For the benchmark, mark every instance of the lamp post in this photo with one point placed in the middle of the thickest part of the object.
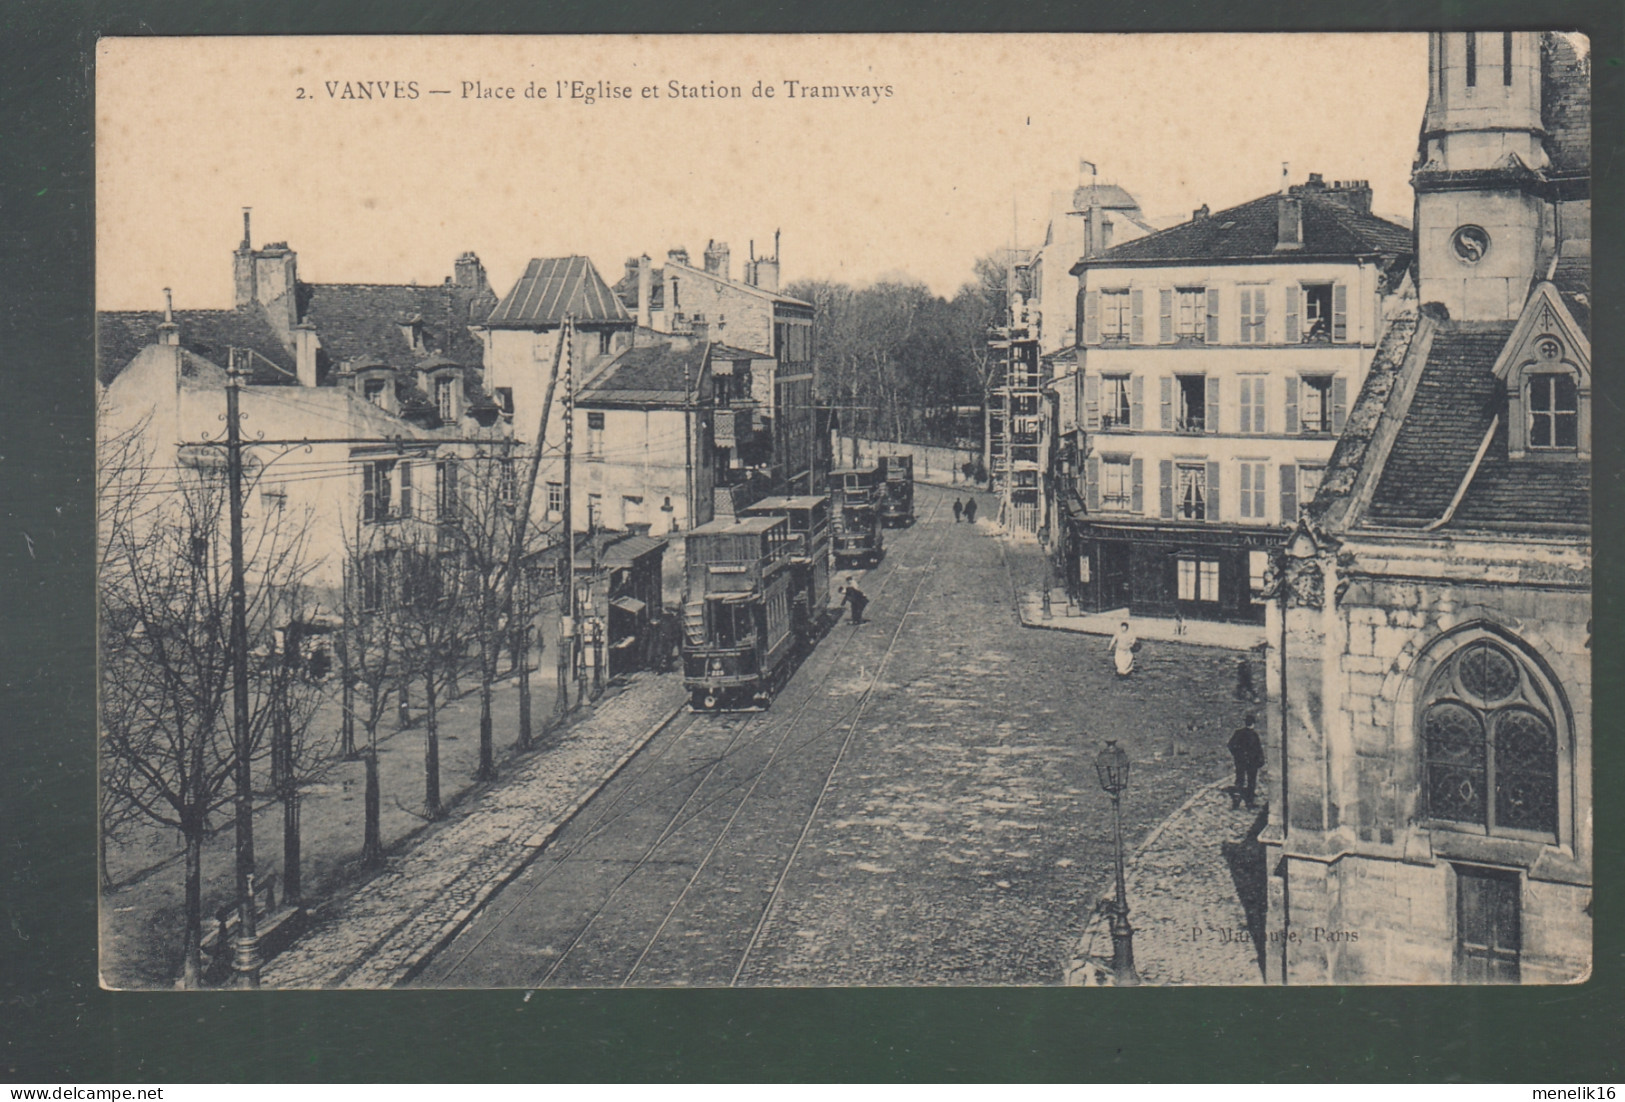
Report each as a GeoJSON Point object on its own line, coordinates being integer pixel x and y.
{"type": "Point", "coordinates": [1112, 766]}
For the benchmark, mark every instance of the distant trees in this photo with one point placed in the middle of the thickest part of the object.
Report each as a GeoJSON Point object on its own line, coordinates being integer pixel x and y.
{"type": "Point", "coordinates": [898, 362]}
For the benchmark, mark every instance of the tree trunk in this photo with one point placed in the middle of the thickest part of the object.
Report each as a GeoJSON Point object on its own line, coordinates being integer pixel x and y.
{"type": "Point", "coordinates": [524, 687]}
{"type": "Point", "coordinates": [561, 703]}
{"type": "Point", "coordinates": [372, 845]}
{"type": "Point", "coordinates": [347, 710]}
{"type": "Point", "coordinates": [292, 886]}
{"type": "Point", "coordinates": [431, 752]}
{"type": "Point", "coordinates": [192, 939]}
{"type": "Point", "coordinates": [403, 705]}
{"type": "Point", "coordinates": [487, 770]}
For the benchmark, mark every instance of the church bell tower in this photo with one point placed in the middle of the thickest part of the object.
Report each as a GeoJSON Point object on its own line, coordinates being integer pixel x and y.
{"type": "Point", "coordinates": [1483, 220]}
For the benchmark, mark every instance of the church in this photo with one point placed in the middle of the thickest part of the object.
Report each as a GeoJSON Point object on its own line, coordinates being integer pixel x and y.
{"type": "Point", "coordinates": [1429, 621]}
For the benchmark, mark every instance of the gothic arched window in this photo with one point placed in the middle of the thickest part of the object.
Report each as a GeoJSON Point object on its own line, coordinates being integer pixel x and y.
{"type": "Point", "coordinates": [1490, 743]}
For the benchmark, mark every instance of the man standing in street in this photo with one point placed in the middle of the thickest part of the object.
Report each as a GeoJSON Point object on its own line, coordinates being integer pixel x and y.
{"type": "Point", "coordinates": [959, 509]}
{"type": "Point", "coordinates": [970, 511]}
{"type": "Point", "coordinates": [854, 596]}
{"type": "Point", "coordinates": [1248, 753]}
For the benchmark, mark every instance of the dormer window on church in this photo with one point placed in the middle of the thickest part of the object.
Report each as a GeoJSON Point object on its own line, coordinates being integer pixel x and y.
{"type": "Point", "coordinates": [1554, 410]}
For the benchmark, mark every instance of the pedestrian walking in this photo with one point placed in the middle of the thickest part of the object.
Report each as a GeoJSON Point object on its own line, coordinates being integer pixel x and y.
{"type": "Point", "coordinates": [1123, 645]}
{"type": "Point", "coordinates": [959, 509]}
{"type": "Point", "coordinates": [854, 597]}
{"type": "Point", "coordinates": [1248, 754]}
{"type": "Point", "coordinates": [970, 511]}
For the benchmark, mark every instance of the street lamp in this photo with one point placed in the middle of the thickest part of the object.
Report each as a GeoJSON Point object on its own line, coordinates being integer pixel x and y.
{"type": "Point", "coordinates": [1112, 766]}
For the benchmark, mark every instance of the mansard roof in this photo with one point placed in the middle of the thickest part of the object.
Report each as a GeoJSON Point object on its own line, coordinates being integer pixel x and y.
{"type": "Point", "coordinates": [360, 320]}
{"type": "Point", "coordinates": [1331, 231]}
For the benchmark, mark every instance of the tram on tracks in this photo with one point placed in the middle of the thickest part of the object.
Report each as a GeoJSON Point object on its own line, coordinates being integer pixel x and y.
{"type": "Point", "coordinates": [897, 497]}
{"type": "Point", "coordinates": [739, 632]}
{"type": "Point", "coordinates": [809, 520]}
{"type": "Point", "coordinates": [855, 497]}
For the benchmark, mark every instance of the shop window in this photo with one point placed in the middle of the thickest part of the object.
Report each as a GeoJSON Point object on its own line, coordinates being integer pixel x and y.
{"type": "Point", "coordinates": [1199, 580]}
{"type": "Point", "coordinates": [1258, 570]}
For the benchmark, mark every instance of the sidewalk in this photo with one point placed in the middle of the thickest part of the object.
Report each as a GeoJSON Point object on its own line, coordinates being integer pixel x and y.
{"type": "Point", "coordinates": [375, 936]}
{"type": "Point", "coordinates": [1201, 633]}
{"type": "Point", "coordinates": [1196, 900]}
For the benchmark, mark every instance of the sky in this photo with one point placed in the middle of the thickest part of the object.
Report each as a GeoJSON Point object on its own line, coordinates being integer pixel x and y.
{"type": "Point", "coordinates": [936, 149]}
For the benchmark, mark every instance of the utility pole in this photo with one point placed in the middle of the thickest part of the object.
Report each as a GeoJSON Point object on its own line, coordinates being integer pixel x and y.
{"type": "Point", "coordinates": [246, 951]}
{"type": "Point", "coordinates": [567, 587]}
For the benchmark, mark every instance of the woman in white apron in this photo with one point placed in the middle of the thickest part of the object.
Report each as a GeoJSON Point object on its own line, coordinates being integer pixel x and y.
{"type": "Point", "coordinates": [1124, 644]}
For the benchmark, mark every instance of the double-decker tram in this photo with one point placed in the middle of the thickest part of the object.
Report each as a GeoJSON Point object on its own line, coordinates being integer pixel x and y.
{"type": "Point", "coordinates": [897, 499]}
{"type": "Point", "coordinates": [808, 518]}
{"type": "Point", "coordinates": [855, 494]}
{"type": "Point", "coordinates": [738, 632]}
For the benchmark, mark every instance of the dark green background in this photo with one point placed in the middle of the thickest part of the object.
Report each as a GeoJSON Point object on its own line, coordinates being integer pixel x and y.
{"type": "Point", "coordinates": [56, 1025]}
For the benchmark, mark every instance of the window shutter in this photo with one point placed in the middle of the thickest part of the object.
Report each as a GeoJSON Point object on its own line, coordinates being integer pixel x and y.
{"type": "Point", "coordinates": [1340, 312]}
{"type": "Point", "coordinates": [406, 488]}
{"type": "Point", "coordinates": [1136, 410]}
{"type": "Point", "coordinates": [1091, 317]}
{"type": "Point", "coordinates": [1294, 295]}
{"type": "Point", "coordinates": [1213, 315]}
{"type": "Point", "coordinates": [1165, 475]}
{"type": "Point", "coordinates": [1167, 403]}
{"type": "Point", "coordinates": [369, 493]}
{"type": "Point", "coordinates": [1091, 403]}
{"type": "Point", "coordinates": [1212, 389]}
{"type": "Point", "coordinates": [1246, 490]}
{"type": "Point", "coordinates": [1292, 404]}
{"type": "Point", "coordinates": [1093, 467]}
{"type": "Point", "coordinates": [1289, 494]}
{"type": "Point", "coordinates": [1212, 511]}
{"type": "Point", "coordinates": [1166, 302]}
{"type": "Point", "coordinates": [1246, 316]}
{"type": "Point", "coordinates": [1261, 418]}
{"type": "Point", "coordinates": [1340, 402]}
{"type": "Point", "coordinates": [1137, 316]}
{"type": "Point", "coordinates": [1137, 484]}
{"type": "Point", "coordinates": [1262, 312]}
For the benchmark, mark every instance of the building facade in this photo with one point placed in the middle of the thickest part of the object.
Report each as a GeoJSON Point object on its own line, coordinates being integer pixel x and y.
{"type": "Point", "coordinates": [1217, 363]}
{"type": "Point", "coordinates": [1430, 666]}
{"type": "Point", "coordinates": [752, 315]}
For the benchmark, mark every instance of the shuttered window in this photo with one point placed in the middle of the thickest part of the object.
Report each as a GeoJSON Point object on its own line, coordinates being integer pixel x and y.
{"type": "Point", "coordinates": [1114, 315]}
{"type": "Point", "coordinates": [1254, 311]}
{"type": "Point", "coordinates": [1252, 489]}
{"type": "Point", "coordinates": [1251, 404]}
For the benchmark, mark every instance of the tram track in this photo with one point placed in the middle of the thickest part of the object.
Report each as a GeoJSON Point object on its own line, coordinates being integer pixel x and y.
{"type": "Point", "coordinates": [727, 780]}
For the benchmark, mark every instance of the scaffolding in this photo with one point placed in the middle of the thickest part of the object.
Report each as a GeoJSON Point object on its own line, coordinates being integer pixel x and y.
{"type": "Point", "coordinates": [1015, 428]}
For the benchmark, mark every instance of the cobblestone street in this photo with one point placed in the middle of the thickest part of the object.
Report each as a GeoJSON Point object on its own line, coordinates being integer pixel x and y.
{"type": "Point", "coordinates": [919, 806]}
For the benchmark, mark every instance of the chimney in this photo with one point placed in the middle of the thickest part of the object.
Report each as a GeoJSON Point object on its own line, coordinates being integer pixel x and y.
{"type": "Point", "coordinates": [276, 283]}
{"type": "Point", "coordinates": [1352, 195]}
{"type": "Point", "coordinates": [470, 272]}
{"type": "Point", "coordinates": [645, 287]}
{"type": "Point", "coordinates": [1199, 213]}
{"type": "Point", "coordinates": [242, 269]}
{"type": "Point", "coordinates": [716, 259]}
{"type": "Point", "coordinates": [304, 352]}
{"type": "Point", "coordinates": [701, 331]}
{"type": "Point", "coordinates": [679, 255]}
{"type": "Point", "coordinates": [168, 331]}
{"type": "Point", "coordinates": [1288, 223]}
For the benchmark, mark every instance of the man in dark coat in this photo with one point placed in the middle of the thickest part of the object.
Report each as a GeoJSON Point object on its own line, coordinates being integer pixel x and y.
{"type": "Point", "coordinates": [1248, 753]}
{"type": "Point", "coordinates": [970, 511]}
{"type": "Point", "coordinates": [959, 509]}
{"type": "Point", "coordinates": [854, 596]}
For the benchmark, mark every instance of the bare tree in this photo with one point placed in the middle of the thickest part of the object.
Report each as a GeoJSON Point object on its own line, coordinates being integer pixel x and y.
{"type": "Point", "coordinates": [432, 628]}
{"type": "Point", "coordinates": [169, 750]}
{"type": "Point", "coordinates": [371, 653]}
